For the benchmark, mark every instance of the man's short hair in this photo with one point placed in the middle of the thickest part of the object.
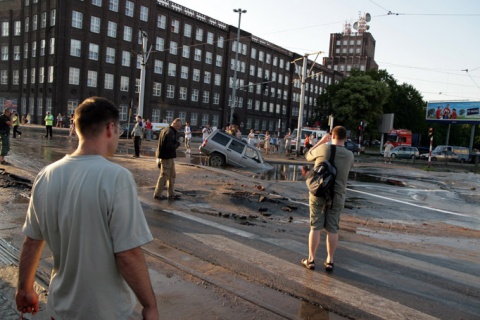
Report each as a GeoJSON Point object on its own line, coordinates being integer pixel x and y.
{"type": "Point", "coordinates": [340, 132]}
{"type": "Point", "coordinates": [93, 114]}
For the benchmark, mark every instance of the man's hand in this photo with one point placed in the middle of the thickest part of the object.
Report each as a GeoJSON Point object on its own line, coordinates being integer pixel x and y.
{"type": "Point", "coordinates": [27, 301]}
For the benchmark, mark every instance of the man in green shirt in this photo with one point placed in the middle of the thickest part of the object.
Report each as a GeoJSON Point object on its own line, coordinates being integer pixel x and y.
{"type": "Point", "coordinates": [16, 124]}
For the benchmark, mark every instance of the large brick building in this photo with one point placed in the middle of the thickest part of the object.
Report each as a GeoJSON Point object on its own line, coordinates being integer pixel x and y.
{"type": "Point", "coordinates": [54, 54]}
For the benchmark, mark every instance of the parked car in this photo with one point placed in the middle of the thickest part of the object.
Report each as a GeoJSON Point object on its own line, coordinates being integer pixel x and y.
{"type": "Point", "coordinates": [222, 148]}
{"type": "Point", "coordinates": [354, 147]}
{"type": "Point", "coordinates": [404, 152]}
{"type": "Point", "coordinates": [448, 153]}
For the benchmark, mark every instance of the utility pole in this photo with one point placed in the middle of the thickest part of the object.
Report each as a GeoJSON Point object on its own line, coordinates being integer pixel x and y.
{"type": "Point", "coordinates": [234, 90]}
{"type": "Point", "coordinates": [303, 78]}
{"type": "Point", "coordinates": [145, 55]}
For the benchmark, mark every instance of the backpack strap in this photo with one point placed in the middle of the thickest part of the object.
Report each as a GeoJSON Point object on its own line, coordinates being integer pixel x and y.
{"type": "Point", "coordinates": [333, 149]}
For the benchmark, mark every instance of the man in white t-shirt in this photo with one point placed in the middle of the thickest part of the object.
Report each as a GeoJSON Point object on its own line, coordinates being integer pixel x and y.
{"type": "Point", "coordinates": [206, 131]}
{"type": "Point", "coordinates": [86, 209]}
{"type": "Point", "coordinates": [386, 153]}
{"type": "Point", "coordinates": [188, 137]}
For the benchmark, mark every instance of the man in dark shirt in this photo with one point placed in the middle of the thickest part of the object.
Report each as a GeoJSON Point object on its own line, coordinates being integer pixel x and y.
{"type": "Point", "coordinates": [166, 153]}
{"type": "Point", "coordinates": [5, 124]}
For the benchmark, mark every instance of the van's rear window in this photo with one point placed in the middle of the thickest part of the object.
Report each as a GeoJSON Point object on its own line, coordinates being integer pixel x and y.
{"type": "Point", "coordinates": [221, 139]}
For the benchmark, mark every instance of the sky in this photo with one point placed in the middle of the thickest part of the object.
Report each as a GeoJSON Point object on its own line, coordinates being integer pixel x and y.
{"type": "Point", "coordinates": [432, 45]}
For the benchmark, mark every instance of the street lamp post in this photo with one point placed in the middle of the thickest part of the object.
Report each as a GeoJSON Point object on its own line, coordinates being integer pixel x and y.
{"type": "Point", "coordinates": [234, 91]}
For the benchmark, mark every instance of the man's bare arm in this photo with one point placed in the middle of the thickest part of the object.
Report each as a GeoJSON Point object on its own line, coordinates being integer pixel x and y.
{"type": "Point", "coordinates": [26, 298]}
{"type": "Point", "coordinates": [133, 267]}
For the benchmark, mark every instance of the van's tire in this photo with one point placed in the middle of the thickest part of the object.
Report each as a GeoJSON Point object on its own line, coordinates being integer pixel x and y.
{"type": "Point", "coordinates": [154, 136]}
{"type": "Point", "coordinates": [434, 159]}
{"type": "Point", "coordinates": [393, 155]}
{"type": "Point", "coordinates": [412, 157]}
{"type": "Point", "coordinates": [216, 160]}
{"type": "Point", "coordinates": [462, 160]}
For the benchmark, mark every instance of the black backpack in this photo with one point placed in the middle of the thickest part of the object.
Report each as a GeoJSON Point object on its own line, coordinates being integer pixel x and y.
{"type": "Point", "coordinates": [321, 179]}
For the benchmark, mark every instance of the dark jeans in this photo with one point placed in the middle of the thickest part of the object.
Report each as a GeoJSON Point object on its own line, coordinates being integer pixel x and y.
{"type": "Point", "coordinates": [5, 137]}
{"type": "Point", "coordinates": [49, 131]}
{"type": "Point", "coordinates": [136, 144]}
{"type": "Point", "coordinates": [15, 131]}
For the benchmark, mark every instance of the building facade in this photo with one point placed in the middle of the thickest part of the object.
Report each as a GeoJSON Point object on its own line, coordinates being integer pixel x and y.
{"type": "Point", "coordinates": [54, 54]}
{"type": "Point", "coordinates": [351, 51]}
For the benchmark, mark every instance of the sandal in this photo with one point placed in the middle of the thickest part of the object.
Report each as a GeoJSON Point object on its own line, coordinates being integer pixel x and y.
{"type": "Point", "coordinates": [328, 266]}
{"type": "Point", "coordinates": [308, 264]}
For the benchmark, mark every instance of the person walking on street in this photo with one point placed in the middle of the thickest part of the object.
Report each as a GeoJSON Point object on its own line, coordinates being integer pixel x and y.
{"type": "Point", "coordinates": [148, 129]}
{"type": "Point", "coordinates": [137, 134]}
{"type": "Point", "coordinates": [325, 212]}
{"type": "Point", "coordinates": [49, 124]}
{"type": "Point", "coordinates": [266, 142]}
{"type": "Point", "coordinates": [386, 153]}
{"type": "Point", "coordinates": [86, 209]}
{"type": "Point", "coordinates": [16, 124]}
{"type": "Point", "coordinates": [288, 142]}
{"type": "Point", "coordinates": [251, 137]}
{"type": "Point", "coordinates": [71, 130]}
{"type": "Point", "coordinates": [166, 153]}
{"type": "Point", "coordinates": [60, 121]}
{"type": "Point", "coordinates": [29, 118]}
{"type": "Point", "coordinates": [188, 137]}
{"type": "Point", "coordinates": [5, 124]}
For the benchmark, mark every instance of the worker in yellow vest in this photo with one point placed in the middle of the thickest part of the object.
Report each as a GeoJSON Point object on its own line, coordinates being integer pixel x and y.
{"type": "Point", "coordinates": [16, 124]}
{"type": "Point", "coordinates": [49, 124]}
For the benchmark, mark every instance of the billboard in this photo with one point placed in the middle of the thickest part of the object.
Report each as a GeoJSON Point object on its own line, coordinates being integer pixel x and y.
{"type": "Point", "coordinates": [454, 112]}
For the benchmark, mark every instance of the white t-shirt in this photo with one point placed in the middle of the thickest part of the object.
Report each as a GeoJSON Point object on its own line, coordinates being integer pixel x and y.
{"type": "Point", "coordinates": [86, 208]}
{"type": "Point", "coordinates": [188, 132]}
{"type": "Point", "coordinates": [205, 132]}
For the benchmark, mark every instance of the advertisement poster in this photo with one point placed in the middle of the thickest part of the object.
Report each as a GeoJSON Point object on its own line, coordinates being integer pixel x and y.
{"type": "Point", "coordinates": [454, 112]}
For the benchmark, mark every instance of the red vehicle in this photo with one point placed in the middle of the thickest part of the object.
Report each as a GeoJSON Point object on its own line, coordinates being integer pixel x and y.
{"type": "Point", "coordinates": [400, 137]}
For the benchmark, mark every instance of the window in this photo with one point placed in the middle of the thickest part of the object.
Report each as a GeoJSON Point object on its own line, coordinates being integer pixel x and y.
{"type": "Point", "coordinates": [249, 105]}
{"type": "Point", "coordinates": [175, 26]}
{"type": "Point", "coordinates": [275, 61]}
{"type": "Point", "coordinates": [207, 77]}
{"type": "Point", "coordinates": [92, 79]}
{"type": "Point", "coordinates": [74, 76]}
{"type": "Point", "coordinates": [126, 58]}
{"type": "Point", "coordinates": [210, 37]}
{"type": "Point", "coordinates": [5, 29]}
{"type": "Point", "coordinates": [198, 55]}
{"type": "Point", "coordinates": [155, 115]}
{"type": "Point", "coordinates": [161, 21]}
{"type": "Point", "coordinates": [15, 77]}
{"type": "Point", "coordinates": [34, 49]}
{"type": "Point", "coordinates": [186, 52]}
{"type": "Point", "coordinates": [110, 55]}
{"type": "Point", "coordinates": [16, 53]}
{"type": "Point", "coordinates": [95, 25]}
{"type": "Point", "coordinates": [196, 75]}
{"type": "Point", "coordinates": [183, 93]}
{"type": "Point", "coordinates": [216, 98]}
{"type": "Point", "coordinates": [159, 44]}
{"type": "Point", "coordinates": [259, 72]}
{"type": "Point", "coordinates": [112, 29]}
{"type": "Point", "coordinates": [184, 72]}
{"type": "Point", "coordinates": [42, 47]}
{"type": "Point", "coordinates": [269, 58]}
{"type": "Point", "coordinates": [205, 118]}
{"type": "Point", "coordinates": [170, 91]}
{"type": "Point", "coordinates": [194, 119]}
{"type": "Point", "coordinates": [158, 66]}
{"type": "Point", "coordinates": [169, 116]}
{"type": "Point", "coordinates": [75, 47]}
{"type": "Point", "coordinates": [281, 64]}
{"type": "Point", "coordinates": [97, 3]}
{"type": "Point", "coordinates": [77, 19]}
{"type": "Point", "coordinates": [143, 13]}
{"type": "Point", "coordinates": [17, 29]}
{"type": "Point", "coordinates": [129, 8]}
{"type": "Point", "coordinates": [173, 47]}
{"type": "Point", "coordinates": [260, 55]}
{"type": "Point", "coordinates": [113, 5]}
{"type": "Point", "coordinates": [187, 30]}
{"type": "Point", "coordinates": [206, 97]}
{"type": "Point", "coordinates": [93, 52]}
{"type": "Point", "coordinates": [220, 41]}
{"type": "Point", "coordinates": [157, 89]}
{"type": "Point", "coordinates": [4, 53]}
{"type": "Point", "coordinates": [208, 57]}
{"type": "Point", "coordinates": [182, 116]}
{"type": "Point", "coordinates": [194, 95]}
{"type": "Point", "coordinates": [34, 22]}
{"type": "Point", "coordinates": [124, 83]}
{"type": "Point", "coordinates": [108, 81]}
{"type": "Point", "coordinates": [127, 33]}
{"type": "Point", "coordinates": [218, 79]}
{"type": "Point", "coordinates": [50, 74]}
{"type": "Point", "coordinates": [172, 69]}
{"type": "Point", "coordinates": [199, 34]}
{"type": "Point", "coordinates": [53, 16]}
{"type": "Point", "coordinates": [4, 77]}
{"type": "Point", "coordinates": [137, 85]}
{"type": "Point", "coordinates": [219, 60]}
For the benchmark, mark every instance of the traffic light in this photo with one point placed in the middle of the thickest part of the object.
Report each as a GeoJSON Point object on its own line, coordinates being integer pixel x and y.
{"type": "Point", "coordinates": [359, 128]}
{"type": "Point", "coordinates": [430, 133]}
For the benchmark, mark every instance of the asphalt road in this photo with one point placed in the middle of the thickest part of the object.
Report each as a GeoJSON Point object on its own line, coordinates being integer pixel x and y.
{"type": "Point", "coordinates": [408, 250]}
